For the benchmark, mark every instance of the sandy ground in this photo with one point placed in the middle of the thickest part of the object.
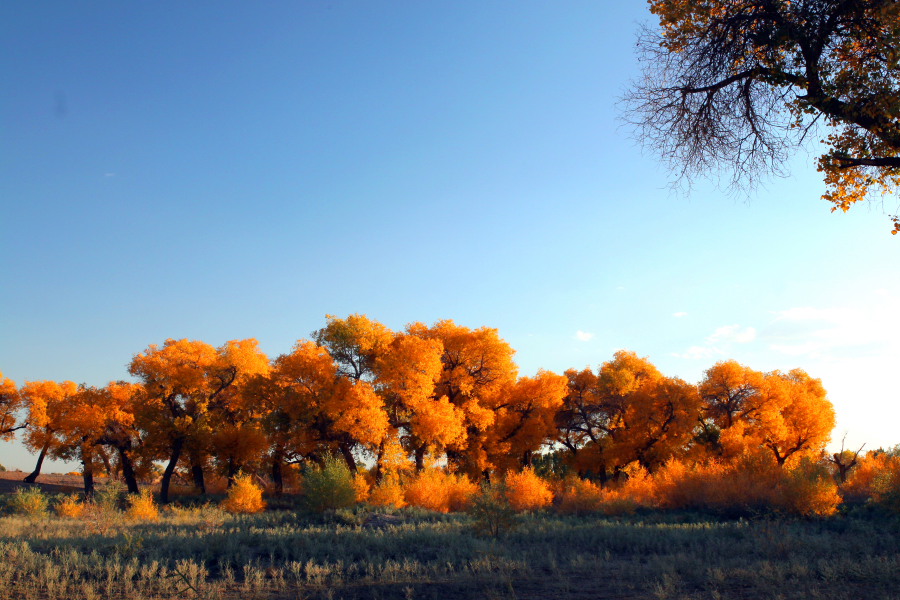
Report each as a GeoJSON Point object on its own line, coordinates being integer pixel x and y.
{"type": "Point", "coordinates": [10, 481]}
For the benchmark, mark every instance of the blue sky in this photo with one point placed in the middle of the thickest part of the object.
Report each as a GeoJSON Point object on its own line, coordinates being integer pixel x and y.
{"type": "Point", "coordinates": [223, 170]}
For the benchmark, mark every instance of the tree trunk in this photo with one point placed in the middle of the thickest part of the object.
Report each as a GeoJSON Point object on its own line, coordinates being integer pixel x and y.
{"type": "Point", "coordinates": [379, 468]}
{"type": "Point", "coordinates": [40, 461]}
{"type": "Point", "coordinates": [110, 473]}
{"type": "Point", "coordinates": [170, 469]}
{"type": "Point", "coordinates": [199, 478]}
{"type": "Point", "coordinates": [233, 470]}
{"type": "Point", "coordinates": [348, 458]}
{"type": "Point", "coordinates": [420, 458]}
{"type": "Point", "coordinates": [277, 474]}
{"type": "Point", "coordinates": [128, 472]}
{"type": "Point", "coordinates": [527, 459]}
{"type": "Point", "coordinates": [87, 475]}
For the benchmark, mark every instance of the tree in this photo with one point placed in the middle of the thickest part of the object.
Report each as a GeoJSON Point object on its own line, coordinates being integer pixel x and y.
{"type": "Point", "coordinates": [742, 83]}
{"type": "Point", "coordinates": [786, 414]}
{"type": "Point", "coordinates": [408, 370]}
{"type": "Point", "coordinates": [10, 403]}
{"type": "Point", "coordinates": [119, 431]}
{"type": "Point", "coordinates": [184, 383]}
{"type": "Point", "coordinates": [524, 419]}
{"type": "Point", "coordinates": [627, 413]}
{"type": "Point", "coordinates": [322, 411]}
{"type": "Point", "coordinates": [476, 364]}
{"type": "Point", "coordinates": [45, 402]}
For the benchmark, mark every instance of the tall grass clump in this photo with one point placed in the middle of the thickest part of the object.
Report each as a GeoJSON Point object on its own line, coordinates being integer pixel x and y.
{"type": "Point", "coordinates": [244, 496]}
{"type": "Point", "coordinates": [328, 486]}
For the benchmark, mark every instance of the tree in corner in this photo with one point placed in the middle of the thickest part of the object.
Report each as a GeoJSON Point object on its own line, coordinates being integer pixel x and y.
{"type": "Point", "coordinates": [742, 83]}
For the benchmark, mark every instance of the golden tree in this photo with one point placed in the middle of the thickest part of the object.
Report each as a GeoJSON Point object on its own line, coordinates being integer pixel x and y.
{"type": "Point", "coordinates": [785, 413]}
{"type": "Point", "coordinates": [184, 383]}
{"type": "Point", "coordinates": [322, 410]}
{"type": "Point", "coordinates": [475, 365]}
{"type": "Point", "coordinates": [407, 372]}
{"type": "Point", "coordinates": [10, 403]}
{"type": "Point", "coordinates": [525, 419]}
{"type": "Point", "coordinates": [45, 403]}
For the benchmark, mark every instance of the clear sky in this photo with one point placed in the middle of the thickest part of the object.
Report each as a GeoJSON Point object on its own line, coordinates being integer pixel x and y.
{"type": "Point", "coordinates": [224, 170]}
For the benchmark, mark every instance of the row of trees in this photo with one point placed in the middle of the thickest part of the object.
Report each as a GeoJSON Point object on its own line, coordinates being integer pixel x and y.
{"type": "Point", "coordinates": [401, 400]}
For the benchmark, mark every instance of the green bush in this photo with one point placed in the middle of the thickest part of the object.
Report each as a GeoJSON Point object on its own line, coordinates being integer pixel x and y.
{"type": "Point", "coordinates": [29, 501]}
{"type": "Point", "coordinates": [491, 511]}
{"type": "Point", "coordinates": [328, 486]}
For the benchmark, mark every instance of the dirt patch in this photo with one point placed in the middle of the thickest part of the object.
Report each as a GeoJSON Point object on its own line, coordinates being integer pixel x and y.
{"type": "Point", "coordinates": [51, 483]}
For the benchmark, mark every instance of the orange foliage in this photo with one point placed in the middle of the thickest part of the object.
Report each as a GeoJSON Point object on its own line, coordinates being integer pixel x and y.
{"type": "Point", "coordinates": [788, 413]}
{"type": "Point", "coordinates": [244, 496]}
{"type": "Point", "coordinates": [436, 490]}
{"type": "Point", "coordinates": [362, 486]}
{"type": "Point", "coordinates": [10, 402]}
{"type": "Point", "coordinates": [475, 365]}
{"type": "Point", "coordinates": [755, 482]}
{"type": "Point", "coordinates": [388, 493]}
{"type": "Point", "coordinates": [70, 506]}
{"type": "Point", "coordinates": [867, 480]}
{"type": "Point", "coordinates": [527, 491]}
{"type": "Point", "coordinates": [525, 418]}
{"type": "Point", "coordinates": [142, 507]}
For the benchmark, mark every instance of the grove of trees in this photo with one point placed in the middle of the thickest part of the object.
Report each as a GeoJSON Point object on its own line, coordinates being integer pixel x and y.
{"type": "Point", "coordinates": [441, 394]}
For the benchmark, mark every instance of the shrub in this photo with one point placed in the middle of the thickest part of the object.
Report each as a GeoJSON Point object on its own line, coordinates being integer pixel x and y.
{"type": "Point", "coordinates": [526, 491]}
{"type": "Point", "coordinates": [110, 497]}
{"type": "Point", "coordinates": [436, 490]}
{"type": "Point", "coordinates": [388, 492]}
{"type": "Point", "coordinates": [868, 480]}
{"type": "Point", "coordinates": [807, 489]}
{"type": "Point", "coordinates": [329, 486]}
{"type": "Point", "coordinates": [2, 469]}
{"type": "Point", "coordinates": [141, 507]}
{"type": "Point", "coordinates": [244, 496]}
{"type": "Point", "coordinates": [362, 486]}
{"type": "Point", "coordinates": [29, 501]}
{"type": "Point", "coordinates": [577, 496]}
{"type": "Point", "coordinates": [70, 506]}
{"type": "Point", "coordinates": [491, 512]}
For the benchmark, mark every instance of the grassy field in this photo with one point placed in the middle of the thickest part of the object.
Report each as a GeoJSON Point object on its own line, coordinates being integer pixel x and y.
{"type": "Point", "coordinates": [202, 552]}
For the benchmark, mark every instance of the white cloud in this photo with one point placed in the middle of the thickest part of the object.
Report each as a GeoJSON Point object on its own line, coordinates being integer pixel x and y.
{"type": "Point", "coordinates": [717, 343]}
{"type": "Point", "coordinates": [583, 336]}
{"type": "Point", "coordinates": [835, 331]}
{"type": "Point", "coordinates": [679, 314]}
{"type": "Point", "coordinates": [698, 352]}
{"type": "Point", "coordinates": [732, 334]}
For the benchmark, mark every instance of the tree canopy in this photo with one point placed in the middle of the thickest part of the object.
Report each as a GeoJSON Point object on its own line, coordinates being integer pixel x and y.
{"type": "Point", "coordinates": [742, 83]}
